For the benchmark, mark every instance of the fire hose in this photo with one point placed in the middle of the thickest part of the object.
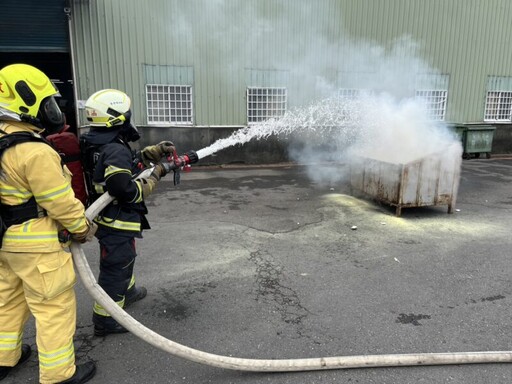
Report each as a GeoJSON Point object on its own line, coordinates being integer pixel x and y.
{"type": "Point", "coordinates": [257, 365]}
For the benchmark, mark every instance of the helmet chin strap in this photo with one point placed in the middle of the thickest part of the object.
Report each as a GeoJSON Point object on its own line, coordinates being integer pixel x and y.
{"type": "Point", "coordinates": [122, 118]}
{"type": "Point", "coordinates": [115, 121]}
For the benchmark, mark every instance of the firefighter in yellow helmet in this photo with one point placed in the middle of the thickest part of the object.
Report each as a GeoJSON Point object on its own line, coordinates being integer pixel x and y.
{"type": "Point", "coordinates": [36, 202]}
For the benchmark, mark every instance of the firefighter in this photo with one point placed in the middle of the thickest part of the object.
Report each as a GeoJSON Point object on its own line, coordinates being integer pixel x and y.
{"type": "Point", "coordinates": [36, 270]}
{"type": "Point", "coordinates": [114, 164]}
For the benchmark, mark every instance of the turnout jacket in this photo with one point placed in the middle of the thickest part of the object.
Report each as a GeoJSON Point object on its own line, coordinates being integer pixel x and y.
{"type": "Point", "coordinates": [115, 167]}
{"type": "Point", "coordinates": [34, 170]}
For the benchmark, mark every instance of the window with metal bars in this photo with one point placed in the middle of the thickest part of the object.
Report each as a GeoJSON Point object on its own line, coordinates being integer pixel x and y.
{"type": "Point", "coordinates": [169, 104]}
{"type": "Point", "coordinates": [265, 103]}
{"type": "Point", "coordinates": [435, 102]}
{"type": "Point", "coordinates": [498, 106]}
{"type": "Point", "coordinates": [348, 93]}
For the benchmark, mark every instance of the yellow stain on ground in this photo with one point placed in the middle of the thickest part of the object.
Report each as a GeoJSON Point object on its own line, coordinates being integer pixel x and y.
{"type": "Point", "coordinates": [438, 221]}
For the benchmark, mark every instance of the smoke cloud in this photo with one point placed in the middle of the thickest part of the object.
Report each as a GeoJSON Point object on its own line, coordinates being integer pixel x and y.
{"type": "Point", "coordinates": [384, 122]}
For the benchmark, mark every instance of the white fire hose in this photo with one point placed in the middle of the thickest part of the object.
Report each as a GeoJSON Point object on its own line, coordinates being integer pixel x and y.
{"type": "Point", "coordinates": [260, 365]}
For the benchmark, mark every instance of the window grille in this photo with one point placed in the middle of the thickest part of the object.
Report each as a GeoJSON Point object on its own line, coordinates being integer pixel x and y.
{"type": "Point", "coordinates": [347, 93]}
{"type": "Point", "coordinates": [169, 104]}
{"type": "Point", "coordinates": [265, 103]}
{"type": "Point", "coordinates": [435, 102]}
{"type": "Point", "coordinates": [498, 106]}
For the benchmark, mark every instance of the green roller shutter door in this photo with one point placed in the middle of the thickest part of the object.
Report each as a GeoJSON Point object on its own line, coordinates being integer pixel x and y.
{"type": "Point", "coordinates": [33, 26]}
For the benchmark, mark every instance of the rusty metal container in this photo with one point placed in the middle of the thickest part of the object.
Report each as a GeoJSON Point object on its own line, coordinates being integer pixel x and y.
{"type": "Point", "coordinates": [428, 181]}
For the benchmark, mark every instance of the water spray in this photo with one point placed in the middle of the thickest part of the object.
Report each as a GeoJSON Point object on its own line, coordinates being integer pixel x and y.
{"type": "Point", "coordinates": [335, 116]}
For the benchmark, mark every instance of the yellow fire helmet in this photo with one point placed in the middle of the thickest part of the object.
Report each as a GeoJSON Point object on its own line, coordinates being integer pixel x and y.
{"type": "Point", "coordinates": [108, 108]}
{"type": "Point", "coordinates": [29, 93]}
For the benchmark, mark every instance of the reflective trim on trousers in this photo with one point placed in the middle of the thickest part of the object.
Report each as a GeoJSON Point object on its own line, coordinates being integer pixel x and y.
{"type": "Point", "coordinates": [10, 341]}
{"type": "Point", "coordinates": [132, 283]}
{"type": "Point", "coordinates": [118, 224]}
{"type": "Point", "coordinates": [58, 357]}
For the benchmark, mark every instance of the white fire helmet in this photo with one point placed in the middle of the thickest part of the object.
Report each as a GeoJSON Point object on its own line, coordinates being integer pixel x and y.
{"type": "Point", "coordinates": [108, 108]}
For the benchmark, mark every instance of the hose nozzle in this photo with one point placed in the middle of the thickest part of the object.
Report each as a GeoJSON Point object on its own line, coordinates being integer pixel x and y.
{"type": "Point", "coordinates": [191, 157]}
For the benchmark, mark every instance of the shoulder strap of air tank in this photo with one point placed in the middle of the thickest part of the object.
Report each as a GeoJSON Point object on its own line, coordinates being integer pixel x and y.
{"type": "Point", "coordinates": [10, 139]}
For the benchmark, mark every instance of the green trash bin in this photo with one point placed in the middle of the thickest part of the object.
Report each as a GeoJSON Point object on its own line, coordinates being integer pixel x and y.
{"type": "Point", "coordinates": [478, 139]}
{"type": "Point", "coordinates": [459, 131]}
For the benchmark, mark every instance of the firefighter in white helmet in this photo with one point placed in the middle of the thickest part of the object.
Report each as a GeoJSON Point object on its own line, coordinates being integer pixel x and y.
{"type": "Point", "coordinates": [110, 165]}
{"type": "Point", "coordinates": [36, 270]}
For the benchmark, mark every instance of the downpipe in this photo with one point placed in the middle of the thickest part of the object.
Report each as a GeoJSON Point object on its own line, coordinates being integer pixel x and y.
{"type": "Point", "coordinates": [260, 365]}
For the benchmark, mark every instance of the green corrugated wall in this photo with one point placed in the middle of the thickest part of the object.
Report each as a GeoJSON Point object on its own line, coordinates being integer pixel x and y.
{"type": "Point", "coordinates": [309, 46]}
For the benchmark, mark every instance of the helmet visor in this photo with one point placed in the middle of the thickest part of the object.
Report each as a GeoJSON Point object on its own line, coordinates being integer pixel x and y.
{"type": "Point", "coordinates": [52, 117]}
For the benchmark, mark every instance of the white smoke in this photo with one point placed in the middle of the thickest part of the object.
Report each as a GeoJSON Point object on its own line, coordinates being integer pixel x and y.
{"type": "Point", "coordinates": [386, 123]}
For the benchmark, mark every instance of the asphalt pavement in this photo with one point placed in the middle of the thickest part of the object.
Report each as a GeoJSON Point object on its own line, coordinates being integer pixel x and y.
{"type": "Point", "coordinates": [262, 262]}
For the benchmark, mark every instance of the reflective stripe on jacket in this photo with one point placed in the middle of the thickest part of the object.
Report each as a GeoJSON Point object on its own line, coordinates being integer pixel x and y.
{"type": "Point", "coordinates": [114, 173]}
{"type": "Point", "coordinates": [34, 169]}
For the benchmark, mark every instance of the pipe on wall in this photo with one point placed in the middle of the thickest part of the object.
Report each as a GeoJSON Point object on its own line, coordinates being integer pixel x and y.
{"type": "Point", "coordinates": [67, 11]}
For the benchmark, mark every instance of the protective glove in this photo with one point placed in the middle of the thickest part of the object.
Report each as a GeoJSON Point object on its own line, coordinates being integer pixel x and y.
{"type": "Point", "coordinates": [160, 170]}
{"type": "Point", "coordinates": [153, 153]}
{"type": "Point", "coordinates": [86, 235]}
{"type": "Point", "coordinates": [148, 185]}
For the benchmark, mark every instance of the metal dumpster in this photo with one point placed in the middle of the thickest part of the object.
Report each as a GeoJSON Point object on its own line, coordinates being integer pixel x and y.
{"type": "Point", "coordinates": [478, 139]}
{"type": "Point", "coordinates": [428, 181]}
{"type": "Point", "coordinates": [459, 130]}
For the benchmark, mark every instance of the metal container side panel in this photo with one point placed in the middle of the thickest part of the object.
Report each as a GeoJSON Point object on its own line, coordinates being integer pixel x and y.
{"type": "Point", "coordinates": [377, 179]}
{"type": "Point", "coordinates": [389, 182]}
{"type": "Point", "coordinates": [356, 174]}
{"type": "Point", "coordinates": [450, 161]}
{"type": "Point", "coordinates": [448, 182]}
{"type": "Point", "coordinates": [371, 177]}
{"type": "Point", "coordinates": [429, 180]}
{"type": "Point", "coordinates": [410, 179]}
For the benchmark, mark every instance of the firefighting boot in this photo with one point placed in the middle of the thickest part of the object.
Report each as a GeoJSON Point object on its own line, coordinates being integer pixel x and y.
{"type": "Point", "coordinates": [25, 354]}
{"type": "Point", "coordinates": [104, 325]}
{"type": "Point", "coordinates": [84, 372]}
{"type": "Point", "coordinates": [135, 294]}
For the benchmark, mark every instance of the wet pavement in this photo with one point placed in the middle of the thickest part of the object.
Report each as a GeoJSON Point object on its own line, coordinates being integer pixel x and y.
{"type": "Point", "coordinates": [261, 262]}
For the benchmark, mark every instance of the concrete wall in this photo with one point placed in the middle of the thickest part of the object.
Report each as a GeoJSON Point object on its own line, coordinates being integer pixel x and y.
{"type": "Point", "coordinates": [265, 151]}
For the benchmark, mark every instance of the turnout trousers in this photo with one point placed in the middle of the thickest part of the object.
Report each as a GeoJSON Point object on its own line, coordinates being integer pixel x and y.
{"type": "Point", "coordinates": [116, 269]}
{"type": "Point", "coordinates": [41, 284]}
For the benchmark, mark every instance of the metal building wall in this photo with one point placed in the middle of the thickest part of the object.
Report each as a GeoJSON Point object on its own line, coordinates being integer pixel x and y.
{"type": "Point", "coordinates": [311, 47]}
{"type": "Point", "coordinates": [226, 44]}
{"type": "Point", "coordinates": [466, 39]}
